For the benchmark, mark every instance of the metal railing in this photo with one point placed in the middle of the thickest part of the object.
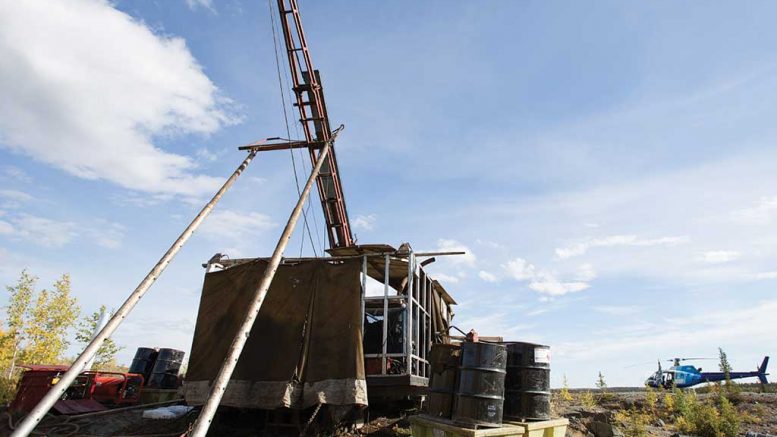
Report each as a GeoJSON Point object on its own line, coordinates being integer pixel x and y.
{"type": "Point", "coordinates": [414, 303]}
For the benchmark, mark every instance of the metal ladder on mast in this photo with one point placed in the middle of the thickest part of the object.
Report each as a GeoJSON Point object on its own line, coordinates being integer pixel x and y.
{"type": "Point", "coordinates": [306, 84]}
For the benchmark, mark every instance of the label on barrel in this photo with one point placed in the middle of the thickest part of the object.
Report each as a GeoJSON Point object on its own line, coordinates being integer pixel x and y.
{"type": "Point", "coordinates": [542, 355]}
{"type": "Point", "coordinates": [491, 410]}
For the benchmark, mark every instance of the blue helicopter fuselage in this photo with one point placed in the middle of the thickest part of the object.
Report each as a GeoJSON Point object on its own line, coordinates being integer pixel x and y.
{"type": "Point", "coordinates": [686, 376]}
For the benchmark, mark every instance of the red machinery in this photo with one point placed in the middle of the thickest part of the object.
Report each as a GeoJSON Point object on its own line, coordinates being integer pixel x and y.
{"type": "Point", "coordinates": [91, 391]}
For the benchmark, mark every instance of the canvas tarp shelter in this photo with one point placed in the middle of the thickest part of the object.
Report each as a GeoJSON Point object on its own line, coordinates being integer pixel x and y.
{"type": "Point", "coordinates": [305, 347]}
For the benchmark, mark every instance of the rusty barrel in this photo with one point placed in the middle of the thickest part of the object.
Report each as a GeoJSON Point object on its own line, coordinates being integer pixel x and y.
{"type": "Point", "coordinates": [444, 363]}
{"type": "Point", "coordinates": [480, 392]}
{"type": "Point", "coordinates": [527, 384]}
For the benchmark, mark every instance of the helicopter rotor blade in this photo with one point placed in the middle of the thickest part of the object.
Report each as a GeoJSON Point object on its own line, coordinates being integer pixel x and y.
{"type": "Point", "coordinates": [691, 358]}
{"type": "Point", "coordinates": [639, 364]}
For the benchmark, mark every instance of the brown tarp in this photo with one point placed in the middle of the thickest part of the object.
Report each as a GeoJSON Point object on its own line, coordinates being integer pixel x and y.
{"type": "Point", "coordinates": [305, 347]}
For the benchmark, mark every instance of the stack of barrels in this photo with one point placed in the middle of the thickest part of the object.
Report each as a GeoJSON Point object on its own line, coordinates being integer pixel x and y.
{"type": "Point", "coordinates": [159, 367]}
{"type": "Point", "coordinates": [476, 383]}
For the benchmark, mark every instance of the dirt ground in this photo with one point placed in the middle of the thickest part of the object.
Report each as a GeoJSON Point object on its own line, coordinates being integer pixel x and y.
{"type": "Point", "coordinates": [756, 411]}
{"type": "Point", "coordinates": [227, 423]}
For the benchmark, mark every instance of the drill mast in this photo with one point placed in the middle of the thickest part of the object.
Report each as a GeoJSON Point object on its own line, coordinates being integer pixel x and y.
{"type": "Point", "coordinates": [306, 84]}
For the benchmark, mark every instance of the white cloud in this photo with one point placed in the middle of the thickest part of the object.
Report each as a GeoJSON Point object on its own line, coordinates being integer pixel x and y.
{"type": "Point", "coordinates": [15, 195]}
{"type": "Point", "coordinates": [442, 277]}
{"type": "Point", "coordinates": [15, 173]}
{"type": "Point", "coordinates": [486, 276]}
{"type": "Point", "coordinates": [763, 213]}
{"type": "Point", "coordinates": [719, 256]}
{"type": "Point", "coordinates": [520, 269]}
{"type": "Point", "coordinates": [537, 312]}
{"type": "Point", "coordinates": [205, 4]}
{"type": "Point", "coordinates": [13, 198]}
{"type": "Point", "coordinates": [42, 231]}
{"type": "Point", "coordinates": [139, 200]}
{"type": "Point", "coordinates": [614, 310]}
{"type": "Point", "coordinates": [489, 244]}
{"type": "Point", "coordinates": [766, 275]}
{"type": "Point", "coordinates": [448, 245]}
{"type": "Point", "coordinates": [365, 222]}
{"type": "Point", "coordinates": [752, 325]}
{"type": "Point", "coordinates": [235, 226]}
{"type": "Point", "coordinates": [585, 272]}
{"type": "Point", "coordinates": [54, 233]}
{"type": "Point", "coordinates": [106, 234]}
{"type": "Point", "coordinates": [617, 240]}
{"type": "Point", "coordinates": [206, 155]}
{"type": "Point", "coordinates": [86, 88]}
{"type": "Point", "coordinates": [500, 324]}
{"type": "Point", "coordinates": [547, 282]}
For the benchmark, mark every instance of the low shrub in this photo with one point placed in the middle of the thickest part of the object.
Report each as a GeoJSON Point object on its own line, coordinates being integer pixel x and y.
{"type": "Point", "coordinates": [710, 418]}
{"type": "Point", "coordinates": [633, 422]}
{"type": "Point", "coordinates": [587, 399]}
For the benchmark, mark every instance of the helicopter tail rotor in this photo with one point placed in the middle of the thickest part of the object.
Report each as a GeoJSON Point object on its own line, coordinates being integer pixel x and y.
{"type": "Point", "coordinates": [762, 371]}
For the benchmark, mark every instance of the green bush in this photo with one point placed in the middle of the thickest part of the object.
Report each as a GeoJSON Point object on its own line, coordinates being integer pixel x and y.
{"type": "Point", "coordinates": [7, 390]}
{"type": "Point", "coordinates": [651, 400]}
{"type": "Point", "coordinates": [633, 422]}
{"type": "Point", "coordinates": [710, 418]}
{"type": "Point", "coordinates": [729, 418]}
{"type": "Point", "coordinates": [587, 399]}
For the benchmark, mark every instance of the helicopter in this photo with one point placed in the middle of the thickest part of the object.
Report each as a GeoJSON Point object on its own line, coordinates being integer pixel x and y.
{"type": "Point", "coordinates": [683, 376]}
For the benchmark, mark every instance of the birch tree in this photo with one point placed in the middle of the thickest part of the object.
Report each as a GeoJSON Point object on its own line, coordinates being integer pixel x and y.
{"type": "Point", "coordinates": [19, 300]}
{"type": "Point", "coordinates": [106, 354]}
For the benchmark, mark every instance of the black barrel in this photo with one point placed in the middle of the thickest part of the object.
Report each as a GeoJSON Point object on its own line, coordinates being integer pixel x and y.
{"type": "Point", "coordinates": [527, 385]}
{"type": "Point", "coordinates": [444, 363]}
{"type": "Point", "coordinates": [480, 393]}
{"type": "Point", "coordinates": [143, 363]}
{"type": "Point", "coordinates": [166, 368]}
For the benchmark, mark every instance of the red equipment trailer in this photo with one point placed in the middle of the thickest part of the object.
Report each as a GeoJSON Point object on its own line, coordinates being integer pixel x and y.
{"type": "Point", "coordinates": [91, 391]}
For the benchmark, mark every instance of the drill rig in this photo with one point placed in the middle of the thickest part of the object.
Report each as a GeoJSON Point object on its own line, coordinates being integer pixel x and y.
{"type": "Point", "coordinates": [395, 351]}
{"type": "Point", "coordinates": [390, 310]}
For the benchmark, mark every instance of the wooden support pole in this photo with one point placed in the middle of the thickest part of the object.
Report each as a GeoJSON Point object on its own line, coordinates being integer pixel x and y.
{"type": "Point", "coordinates": [228, 366]}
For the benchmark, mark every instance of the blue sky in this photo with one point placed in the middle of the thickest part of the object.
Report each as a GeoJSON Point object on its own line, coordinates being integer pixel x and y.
{"type": "Point", "coordinates": [609, 166]}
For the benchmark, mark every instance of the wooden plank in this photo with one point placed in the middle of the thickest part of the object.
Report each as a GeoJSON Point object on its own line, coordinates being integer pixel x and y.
{"type": "Point", "coordinates": [449, 427]}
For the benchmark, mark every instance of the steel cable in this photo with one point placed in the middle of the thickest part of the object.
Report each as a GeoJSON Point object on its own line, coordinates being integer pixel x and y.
{"type": "Point", "coordinates": [288, 131]}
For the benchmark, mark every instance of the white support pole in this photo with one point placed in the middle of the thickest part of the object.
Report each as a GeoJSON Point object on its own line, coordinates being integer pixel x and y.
{"type": "Point", "coordinates": [225, 373]}
{"type": "Point", "coordinates": [409, 316]}
{"type": "Point", "coordinates": [31, 421]}
{"type": "Point", "coordinates": [101, 321]}
{"type": "Point", "coordinates": [364, 292]}
{"type": "Point", "coordinates": [384, 347]}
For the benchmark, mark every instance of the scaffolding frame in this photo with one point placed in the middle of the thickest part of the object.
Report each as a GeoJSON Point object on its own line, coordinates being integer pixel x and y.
{"type": "Point", "coordinates": [416, 305]}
